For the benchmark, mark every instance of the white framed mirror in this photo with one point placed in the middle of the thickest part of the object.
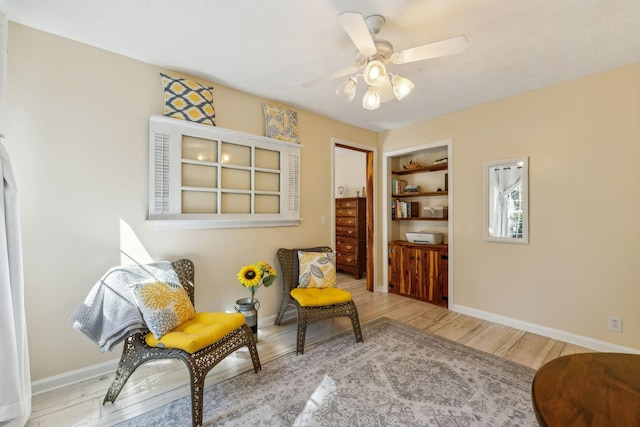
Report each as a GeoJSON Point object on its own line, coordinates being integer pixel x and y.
{"type": "Point", "coordinates": [506, 200]}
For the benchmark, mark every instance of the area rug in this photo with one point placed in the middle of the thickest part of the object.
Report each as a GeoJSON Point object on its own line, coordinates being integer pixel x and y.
{"type": "Point", "coordinates": [399, 376]}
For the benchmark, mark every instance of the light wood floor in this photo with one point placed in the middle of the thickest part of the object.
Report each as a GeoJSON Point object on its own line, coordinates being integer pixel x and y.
{"type": "Point", "coordinates": [156, 383]}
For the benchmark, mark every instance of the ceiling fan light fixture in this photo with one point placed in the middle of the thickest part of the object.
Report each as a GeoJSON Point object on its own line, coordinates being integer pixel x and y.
{"type": "Point", "coordinates": [347, 89]}
{"type": "Point", "coordinates": [371, 100]}
{"type": "Point", "coordinates": [374, 73]}
{"type": "Point", "coordinates": [401, 86]}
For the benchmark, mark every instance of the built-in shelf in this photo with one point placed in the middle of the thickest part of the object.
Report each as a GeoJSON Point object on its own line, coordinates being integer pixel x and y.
{"type": "Point", "coordinates": [432, 168]}
{"type": "Point", "coordinates": [430, 194]}
{"type": "Point", "coordinates": [417, 270]}
{"type": "Point", "coordinates": [421, 218]}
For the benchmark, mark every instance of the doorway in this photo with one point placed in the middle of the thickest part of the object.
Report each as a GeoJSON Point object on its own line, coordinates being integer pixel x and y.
{"type": "Point", "coordinates": [353, 174]}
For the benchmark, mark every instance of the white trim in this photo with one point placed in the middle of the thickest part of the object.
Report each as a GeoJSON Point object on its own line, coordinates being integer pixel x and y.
{"type": "Point", "coordinates": [376, 220]}
{"type": "Point", "coordinates": [203, 224]}
{"type": "Point", "coordinates": [568, 337]}
{"type": "Point", "coordinates": [109, 368]}
{"type": "Point", "coordinates": [72, 377]}
{"type": "Point", "coordinates": [386, 229]}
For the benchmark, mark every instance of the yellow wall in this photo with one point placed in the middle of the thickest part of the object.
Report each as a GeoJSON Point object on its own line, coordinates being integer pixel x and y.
{"type": "Point", "coordinates": [76, 123]}
{"type": "Point", "coordinates": [581, 265]}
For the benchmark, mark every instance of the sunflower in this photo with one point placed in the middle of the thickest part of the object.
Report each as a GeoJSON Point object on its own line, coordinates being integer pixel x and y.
{"type": "Point", "coordinates": [267, 269]}
{"type": "Point", "coordinates": [250, 275]}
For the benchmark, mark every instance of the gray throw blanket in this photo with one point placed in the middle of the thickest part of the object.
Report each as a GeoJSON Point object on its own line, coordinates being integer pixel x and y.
{"type": "Point", "coordinates": [109, 313]}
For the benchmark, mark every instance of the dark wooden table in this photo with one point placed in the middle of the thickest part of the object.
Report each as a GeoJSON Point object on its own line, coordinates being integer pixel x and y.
{"type": "Point", "coordinates": [589, 389]}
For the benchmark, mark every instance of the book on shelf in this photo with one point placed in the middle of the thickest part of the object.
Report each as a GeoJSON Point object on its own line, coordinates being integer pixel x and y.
{"type": "Point", "coordinates": [401, 209]}
{"type": "Point", "coordinates": [398, 186]}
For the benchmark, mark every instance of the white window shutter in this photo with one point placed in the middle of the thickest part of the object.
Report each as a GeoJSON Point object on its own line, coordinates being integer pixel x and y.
{"type": "Point", "coordinates": [162, 174]}
{"type": "Point", "coordinates": [294, 184]}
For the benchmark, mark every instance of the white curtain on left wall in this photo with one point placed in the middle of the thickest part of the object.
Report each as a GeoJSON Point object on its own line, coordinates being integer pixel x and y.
{"type": "Point", "coordinates": [15, 376]}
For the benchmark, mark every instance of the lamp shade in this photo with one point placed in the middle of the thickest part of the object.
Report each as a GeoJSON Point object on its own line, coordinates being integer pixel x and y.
{"type": "Point", "coordinates": [374, 73]}
{"type": "Point", "coordinates": [347, 89]}
{"type": "Point", "coordinates": [401, 86]}
{"type": "Point", "coordinates": [371, 99]}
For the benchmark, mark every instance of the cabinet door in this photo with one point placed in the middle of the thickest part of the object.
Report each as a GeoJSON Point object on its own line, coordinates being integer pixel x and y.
{"type": "Point", "coordinates": [425, 275]}
{"type": "Point", "coordinates": [434, 276]}
{"type": "Point", "coordinates": [410, 283]}
{"type": "Point", "coordinates": [443, 279]}
{"type": "Point", "coordinates": [394, 269]}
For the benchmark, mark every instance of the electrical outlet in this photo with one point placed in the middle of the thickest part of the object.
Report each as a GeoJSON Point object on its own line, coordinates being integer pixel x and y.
{"type": "Point", "coordinates": [615, 324]}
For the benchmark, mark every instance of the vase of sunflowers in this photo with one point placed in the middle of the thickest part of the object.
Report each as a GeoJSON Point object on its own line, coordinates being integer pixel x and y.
{"type": "Point", "coordinates": [253, 276]}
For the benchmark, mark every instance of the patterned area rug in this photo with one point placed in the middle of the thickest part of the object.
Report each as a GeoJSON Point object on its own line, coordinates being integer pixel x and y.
{"type": "Point", "coordinates": [399, 376]}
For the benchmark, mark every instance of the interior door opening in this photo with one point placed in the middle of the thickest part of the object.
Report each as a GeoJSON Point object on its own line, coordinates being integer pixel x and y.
{"type": "Point", "coordinates": [354, 177]}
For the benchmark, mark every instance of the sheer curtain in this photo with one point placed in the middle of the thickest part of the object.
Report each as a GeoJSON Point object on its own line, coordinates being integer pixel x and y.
{"type": "Point", "coordinates": [15, 376]}
{"type": "Point", "coordinates": [504, 180]}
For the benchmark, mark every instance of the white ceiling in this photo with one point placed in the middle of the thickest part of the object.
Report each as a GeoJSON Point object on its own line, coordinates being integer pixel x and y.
{"type": "Point", "coordinates": [268, 48]}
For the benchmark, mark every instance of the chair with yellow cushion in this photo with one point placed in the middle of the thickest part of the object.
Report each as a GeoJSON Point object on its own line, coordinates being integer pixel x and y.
{"type": "Point", "coordinates": [200, 342]}
{"type": "Point", "coordinates": [316, 297]}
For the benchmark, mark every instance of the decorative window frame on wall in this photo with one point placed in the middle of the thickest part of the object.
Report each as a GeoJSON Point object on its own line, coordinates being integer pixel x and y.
{"type": "Point", "coordinates": [194, 184]}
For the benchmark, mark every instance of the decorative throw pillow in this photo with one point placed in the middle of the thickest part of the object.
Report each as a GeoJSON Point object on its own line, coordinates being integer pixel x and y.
{"type": "Point", "coordinates": [317, 269]}
{"type": "Point", "coordinates": [281, 123]}
{"type": "Point", "coordinates": [163, 305]}
{"type": "Point", "coordinates": [187, 100]}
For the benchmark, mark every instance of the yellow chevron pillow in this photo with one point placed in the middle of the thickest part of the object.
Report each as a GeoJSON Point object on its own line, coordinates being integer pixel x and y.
{"type": "Point", "coordinates": [187, 100]}
{"type": "Point", "coordinates": [316, 269]}
{"type": "Point", "coordinates": [164, 306]}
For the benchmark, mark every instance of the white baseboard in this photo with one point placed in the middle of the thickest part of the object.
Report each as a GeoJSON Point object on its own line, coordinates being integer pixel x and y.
{"type": "Point", "coordinates": [580, 340]}
{"type": "Point", "coordinates": [106, 368]}
{"type": "Point", "coordinates": [67, 378]}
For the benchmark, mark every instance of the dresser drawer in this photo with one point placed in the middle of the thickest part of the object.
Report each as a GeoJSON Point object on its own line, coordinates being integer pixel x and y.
{"type": "Point", "coordinates": [346, 231]}
{"type": "Point", "coordinates": [346, 246]}
{"type": "Point", "coordinates": [347, 259]}
{"type": "Point", "coordinates": [346, 221]}
{"type": "Point", "coordinates": [352, 212]}
{"type": "Point", "coordinates": [346, 204]}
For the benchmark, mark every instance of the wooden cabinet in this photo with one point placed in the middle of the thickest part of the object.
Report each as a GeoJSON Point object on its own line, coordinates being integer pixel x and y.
{"type": "Point", "coordinates": [351, 239]}
{"type": "Point", "coordinates": [419, 271]}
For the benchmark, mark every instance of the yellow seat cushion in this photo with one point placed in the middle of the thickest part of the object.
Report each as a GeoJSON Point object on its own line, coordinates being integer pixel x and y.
{"type": "Point", "coordinates": [315, 297]}
{"type": "Point", "coordinates": [198, 332]}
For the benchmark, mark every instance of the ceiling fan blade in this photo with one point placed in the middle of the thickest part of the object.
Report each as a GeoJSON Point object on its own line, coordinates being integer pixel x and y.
{"type": "Point", "coordinates": [431, 50]}
{"type": "Point", "coordinates": [355, 26]}
{"type": "Point", "coordinates": [334, 75]}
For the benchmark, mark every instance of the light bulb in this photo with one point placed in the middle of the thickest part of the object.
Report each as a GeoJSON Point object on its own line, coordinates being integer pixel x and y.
{"type": "Point", "coordinates": [347, 89]}
{"type": "Point", "coordinates": [374, 73]}
{"type": "Point", "coordinates": [371, 99]}
{"type": "Point", "coordinates": [401, 86]}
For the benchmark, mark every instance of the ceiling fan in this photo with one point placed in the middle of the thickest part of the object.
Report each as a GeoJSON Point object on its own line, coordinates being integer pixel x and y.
{"type": "Point", "coordinates": [374, 54]}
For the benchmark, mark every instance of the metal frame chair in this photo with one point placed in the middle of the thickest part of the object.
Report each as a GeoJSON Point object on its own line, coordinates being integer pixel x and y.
{"type": "Point", "coordinates": [288, 259]}
{"type": "Point", "coordinates": [136, 352]}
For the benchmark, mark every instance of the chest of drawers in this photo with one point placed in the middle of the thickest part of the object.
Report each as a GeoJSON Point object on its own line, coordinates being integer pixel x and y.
{"type": "Point", "coordinates": [351, 239]}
